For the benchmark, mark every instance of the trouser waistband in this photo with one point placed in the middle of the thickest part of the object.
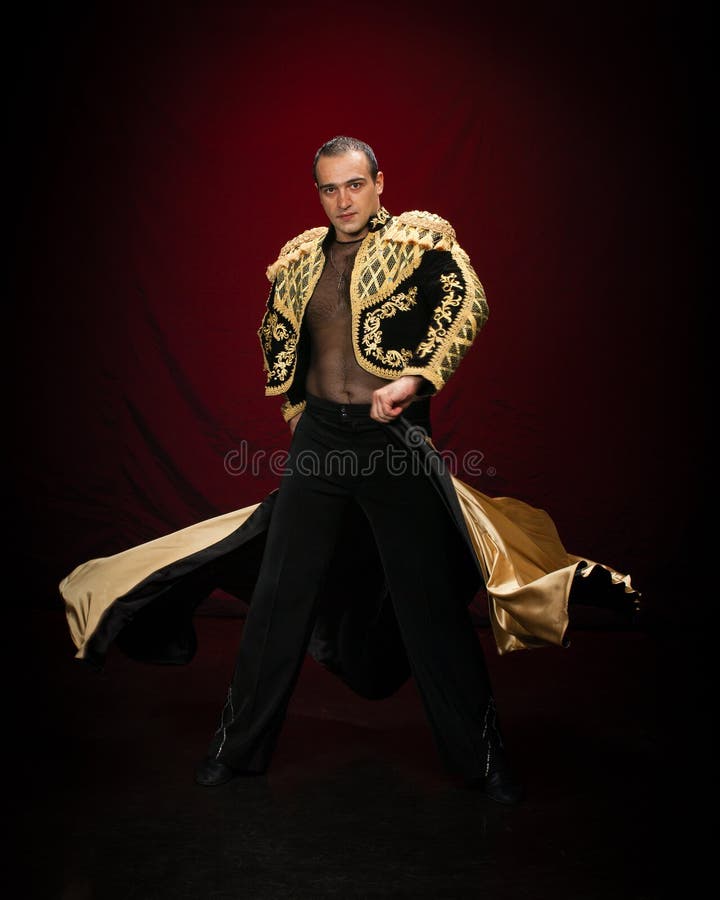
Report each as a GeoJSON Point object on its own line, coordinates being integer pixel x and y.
{"type": "Point", "coordinates": [341, 410]}
{"type": "Point", "coordinates": [418, 411]}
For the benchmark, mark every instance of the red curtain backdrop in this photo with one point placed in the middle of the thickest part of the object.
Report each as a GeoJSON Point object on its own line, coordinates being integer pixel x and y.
{"type": "Point", "coordinates": [165, 157]}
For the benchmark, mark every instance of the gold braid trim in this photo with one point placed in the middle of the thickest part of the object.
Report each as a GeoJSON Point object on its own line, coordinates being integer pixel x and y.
{"type": "Point", "coordinates": [380, 266]}
{"type": "Point", "coordinates": [290, 410]}
{"type": "Point", "coordinates": [423, 227]}
{"type": "Point", "coordinates": [296, 248]}
{"type": "Point", "coordinates": [387, 257]}
{"type": "Point", "coordinates": [447, 347]}
{"type": "Point", "coordinates": [295, 283]}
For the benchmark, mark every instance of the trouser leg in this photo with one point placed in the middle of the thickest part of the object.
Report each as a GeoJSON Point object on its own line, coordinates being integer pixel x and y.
{"type": "Point", "coordinates": [428, 569]}
{"type": "Point", "coordinates": [432, 576]}
{"type": "Point", "coordinates": [301, 538]}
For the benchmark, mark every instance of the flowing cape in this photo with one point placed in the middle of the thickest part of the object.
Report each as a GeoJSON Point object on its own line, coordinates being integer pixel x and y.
{"type": "Point", "coordinates": [144, 599]}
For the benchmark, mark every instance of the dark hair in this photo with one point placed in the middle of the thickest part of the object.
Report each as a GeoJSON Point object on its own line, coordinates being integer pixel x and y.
{"type": "Point", "coordinates": [341, 144]}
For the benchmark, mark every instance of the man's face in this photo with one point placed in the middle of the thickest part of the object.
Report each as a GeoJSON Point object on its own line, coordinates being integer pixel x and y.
{"type": "Point", "coordinates": [347, 192]}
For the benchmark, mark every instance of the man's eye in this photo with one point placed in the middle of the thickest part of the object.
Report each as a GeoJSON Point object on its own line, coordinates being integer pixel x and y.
{"type": "Point", "coordinates": [328, 190]}
{"type": "Point", "coordinates": [356, 184]}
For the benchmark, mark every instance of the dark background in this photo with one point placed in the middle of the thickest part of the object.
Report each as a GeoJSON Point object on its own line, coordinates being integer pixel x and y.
{"type": "Point", "coordinates": [160, 157]}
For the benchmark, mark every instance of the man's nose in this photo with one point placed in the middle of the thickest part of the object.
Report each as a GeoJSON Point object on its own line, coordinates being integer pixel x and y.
{"type": "Point", "coordinates": [344, 198]}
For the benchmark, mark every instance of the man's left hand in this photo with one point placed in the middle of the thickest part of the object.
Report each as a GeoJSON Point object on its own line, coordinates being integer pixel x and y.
{"type": "Point", "coordinates": [391, 399]}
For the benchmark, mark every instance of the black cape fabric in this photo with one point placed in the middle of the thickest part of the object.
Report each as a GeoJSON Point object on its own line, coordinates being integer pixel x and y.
{"type": "Point", "coordinates": [356, 635]}
{"type": "Point", "coordinates": [144, 600]}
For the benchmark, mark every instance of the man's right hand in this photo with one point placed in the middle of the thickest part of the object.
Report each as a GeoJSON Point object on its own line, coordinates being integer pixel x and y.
{"type": "Point", "coordinates": [293, 422]}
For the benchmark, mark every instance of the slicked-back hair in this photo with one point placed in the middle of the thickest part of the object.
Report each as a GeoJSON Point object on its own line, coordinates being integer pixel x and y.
{"type": "Point", "coordinates": [342, 144]}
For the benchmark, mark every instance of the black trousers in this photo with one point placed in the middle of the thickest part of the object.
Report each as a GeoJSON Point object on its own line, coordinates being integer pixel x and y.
{"type": "Point", "coordinates": [340, 456]}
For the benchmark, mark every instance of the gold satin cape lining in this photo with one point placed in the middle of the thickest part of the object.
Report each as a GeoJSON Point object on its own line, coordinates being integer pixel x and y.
{"type": "Point", "coordinates": [527, 571]}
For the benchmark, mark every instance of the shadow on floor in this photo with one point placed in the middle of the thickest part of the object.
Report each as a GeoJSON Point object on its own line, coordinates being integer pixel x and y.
{"type": "Point", "coordinates": [356, 804]}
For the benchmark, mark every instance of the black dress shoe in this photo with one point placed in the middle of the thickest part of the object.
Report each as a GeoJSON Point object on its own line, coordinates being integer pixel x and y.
{"type": "Point", "coordinates": [212, 772]}
{"type": "Point", "coordinates": [500, 784]}
{"type": "Point", "coordinates": [503, 788]}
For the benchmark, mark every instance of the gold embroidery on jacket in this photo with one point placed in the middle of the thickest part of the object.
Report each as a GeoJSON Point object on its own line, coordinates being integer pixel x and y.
{"type": "Point", "coordinates": [295, 283]}
{"type": "Point", "coordinates": [273, 328]}
{"type": "Point", "coordinates": [285, 361]}
{"type": "Point", "coordinates": [469, 319]}
{"type": "Point", "coordinates": [295, 248]}
{"type": "Point", "coordinates": [372, 337]}
{"type": "Point", "coordinates": [387, 257]}
{"type": "Point", "coordinates": [273, 331]}
{"type": "Point", "coordinates": [289, 409]}
{"type": "Point", "coordinates": [443, 314]}
{"type": "Point", "coordinates": [380, 218]}
{"type": "Point", "coordinates": [380, 266]}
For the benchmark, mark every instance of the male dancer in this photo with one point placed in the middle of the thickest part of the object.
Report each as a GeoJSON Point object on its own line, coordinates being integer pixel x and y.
{"type": "Point", "coordinates": [366, 319]}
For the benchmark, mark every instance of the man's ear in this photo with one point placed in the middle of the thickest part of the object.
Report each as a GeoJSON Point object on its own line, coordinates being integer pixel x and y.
{"type": "Point", "coordinates": [379, 182]}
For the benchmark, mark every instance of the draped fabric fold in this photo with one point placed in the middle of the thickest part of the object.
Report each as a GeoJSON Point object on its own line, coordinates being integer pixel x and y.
{"type": "Point", "coordinates": [528, 573]}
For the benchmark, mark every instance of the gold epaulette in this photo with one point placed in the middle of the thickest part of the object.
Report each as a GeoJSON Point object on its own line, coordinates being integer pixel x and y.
{"type": "Point", "coordinates": [294, 249]}
{"type": "Point", "coordinates": [428, 230]}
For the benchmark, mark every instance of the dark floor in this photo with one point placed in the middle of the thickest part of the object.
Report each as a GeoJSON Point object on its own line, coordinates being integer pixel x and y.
{"type": "Point", "coordinates": [356, 804]}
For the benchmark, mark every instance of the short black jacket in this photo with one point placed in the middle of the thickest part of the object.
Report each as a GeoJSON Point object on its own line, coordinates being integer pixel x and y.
{"type": "Point", "coordinates": [416, 303]}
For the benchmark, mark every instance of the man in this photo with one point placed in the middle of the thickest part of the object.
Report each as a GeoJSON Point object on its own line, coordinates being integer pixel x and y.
{"type": "Point", "coordinates": [366, 319]}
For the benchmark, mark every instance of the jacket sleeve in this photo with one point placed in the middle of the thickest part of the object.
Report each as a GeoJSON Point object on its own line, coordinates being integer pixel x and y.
{"type": "Point", "coordinates": [455, 310]}
{"type": "Point", "coordinates": [278, 340]}
{"type": "Point", "coordinates": [279, 348]}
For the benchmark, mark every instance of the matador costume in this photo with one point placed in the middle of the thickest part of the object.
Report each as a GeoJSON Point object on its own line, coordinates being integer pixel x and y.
{"type": "Point", "coordinates": [416, 307]}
